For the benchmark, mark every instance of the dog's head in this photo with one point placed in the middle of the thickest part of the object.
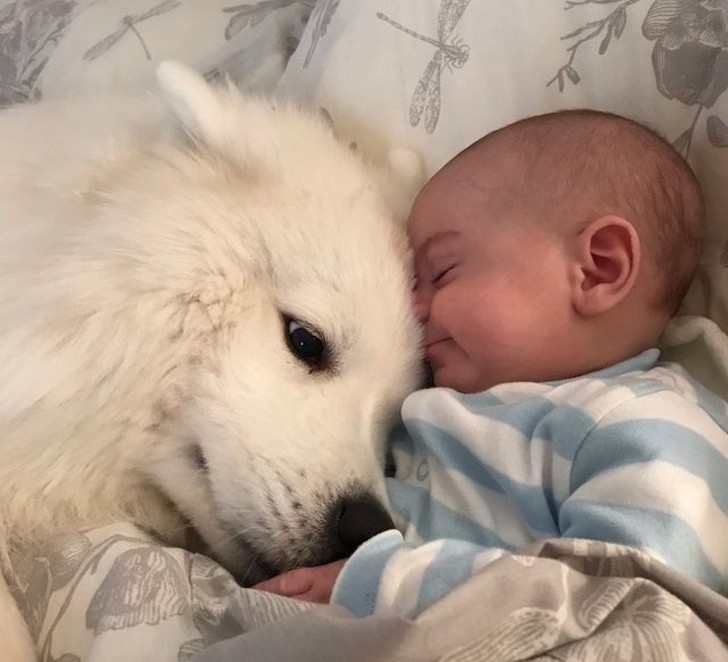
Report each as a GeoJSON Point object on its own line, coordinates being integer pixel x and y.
{"type": "Point", "coordinates": [277, 454]}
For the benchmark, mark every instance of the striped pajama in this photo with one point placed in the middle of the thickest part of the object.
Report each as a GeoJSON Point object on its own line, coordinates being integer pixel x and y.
{"type": "Point", "coordinates": [636, 454]}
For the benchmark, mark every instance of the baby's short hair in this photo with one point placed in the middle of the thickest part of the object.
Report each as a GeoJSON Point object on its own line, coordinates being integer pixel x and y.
{"type": "Point", "coordinates": [596, 163]}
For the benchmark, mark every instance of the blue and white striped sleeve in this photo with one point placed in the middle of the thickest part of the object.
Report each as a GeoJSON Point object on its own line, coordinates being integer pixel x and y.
{"type": "Point", "coordinates": [388, 576]}
{"type": "Point", "coordinates": [651, 475]}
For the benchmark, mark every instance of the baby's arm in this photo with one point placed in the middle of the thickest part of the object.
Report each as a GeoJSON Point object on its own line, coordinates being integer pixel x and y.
{"type": "Point", "coordinates": [313, 584]}
{"type": "Point", "coordinates": [385, 575]}
{"type": "Point", "coordinates": [651, 475]}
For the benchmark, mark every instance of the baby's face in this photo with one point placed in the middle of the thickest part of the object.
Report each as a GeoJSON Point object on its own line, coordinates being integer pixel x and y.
{"type": "Point", "coordinates": [492, 285]}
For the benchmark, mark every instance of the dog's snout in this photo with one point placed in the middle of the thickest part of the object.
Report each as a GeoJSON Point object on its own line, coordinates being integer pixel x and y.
{"type": "Point", "coordinates": [360, 518]}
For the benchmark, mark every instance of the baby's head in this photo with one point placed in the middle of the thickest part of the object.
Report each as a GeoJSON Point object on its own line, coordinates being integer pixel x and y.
{"type": "Point", "coordinates": [553, 247]}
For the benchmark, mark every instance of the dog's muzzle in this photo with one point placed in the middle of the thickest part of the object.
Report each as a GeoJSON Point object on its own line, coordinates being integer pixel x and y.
{"type": "Point", "coordinates": [350, 521]}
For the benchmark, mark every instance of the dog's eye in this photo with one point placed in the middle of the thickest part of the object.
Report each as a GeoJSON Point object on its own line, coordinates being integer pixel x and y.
{"type": "Point", "coordinates": [305, 344]}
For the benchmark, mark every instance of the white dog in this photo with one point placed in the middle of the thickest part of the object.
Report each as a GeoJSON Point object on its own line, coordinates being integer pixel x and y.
{"type": "Point", "coordinates": [204, 318]}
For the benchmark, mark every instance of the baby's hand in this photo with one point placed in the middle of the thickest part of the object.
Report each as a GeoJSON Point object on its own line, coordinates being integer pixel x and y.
{"type": "Point", "coordinates": [312, 584]}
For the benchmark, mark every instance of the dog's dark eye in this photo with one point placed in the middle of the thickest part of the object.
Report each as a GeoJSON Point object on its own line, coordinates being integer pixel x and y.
{"type": "Point", "coordinates": [305, 344]}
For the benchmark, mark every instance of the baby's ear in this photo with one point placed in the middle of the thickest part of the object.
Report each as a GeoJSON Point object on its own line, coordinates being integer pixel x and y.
{"type": "Point", "coordinates": [608, 256]}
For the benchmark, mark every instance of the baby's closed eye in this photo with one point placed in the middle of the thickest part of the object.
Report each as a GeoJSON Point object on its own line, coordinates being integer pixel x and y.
{"type": "Point", "coordinates": [442, 274]}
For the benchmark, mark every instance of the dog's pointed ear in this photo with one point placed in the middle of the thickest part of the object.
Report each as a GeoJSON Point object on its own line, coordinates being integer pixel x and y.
{"type": "Point", "coordinates": [194, 104]}
{"type": "Point", "coordinates": [403, 178]}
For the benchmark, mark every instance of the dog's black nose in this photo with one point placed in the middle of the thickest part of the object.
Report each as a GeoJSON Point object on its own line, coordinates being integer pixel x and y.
{"type": "Point", "coordinates": [360, 518]}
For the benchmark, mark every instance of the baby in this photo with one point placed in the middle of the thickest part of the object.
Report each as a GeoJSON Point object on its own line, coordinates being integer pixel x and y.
{"type": "Point", "coordinates": [549, 256]}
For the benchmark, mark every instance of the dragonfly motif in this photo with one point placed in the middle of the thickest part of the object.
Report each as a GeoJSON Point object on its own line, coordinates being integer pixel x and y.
{"type": "Point", "coordinates": [320, 20]}
{"type": "Point", "coordinates": [253, 14]}
{"type": "Point", "coordinates": [451, 53]}
{"type": "Point", "coordinates": [128, 24]}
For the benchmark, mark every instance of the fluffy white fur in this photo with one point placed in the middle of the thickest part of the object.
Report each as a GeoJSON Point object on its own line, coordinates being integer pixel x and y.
{"type": "Point", "coordinates": [149, 251]}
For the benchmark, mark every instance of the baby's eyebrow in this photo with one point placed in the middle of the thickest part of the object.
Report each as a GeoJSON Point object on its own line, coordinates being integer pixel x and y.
{"type": "Point", "coordinates": [434, 241]}
{"type": "Point", "coordinates": [423, 254]}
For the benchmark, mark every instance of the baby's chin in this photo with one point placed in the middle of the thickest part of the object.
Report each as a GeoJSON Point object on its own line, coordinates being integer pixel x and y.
{"type": "Point", "coordinates": [463, 381]}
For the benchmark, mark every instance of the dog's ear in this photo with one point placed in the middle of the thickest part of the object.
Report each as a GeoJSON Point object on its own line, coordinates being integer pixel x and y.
{"type": "Point", "coordinates": [404, 176]}
{"type": "Point", "coordinates": [194, 104]}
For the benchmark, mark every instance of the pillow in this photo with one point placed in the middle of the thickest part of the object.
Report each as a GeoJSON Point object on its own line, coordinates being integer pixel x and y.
{"type": "Point", "coordinates": [435, 75]}
{"type": "Point", "coordinates": [50, 47]}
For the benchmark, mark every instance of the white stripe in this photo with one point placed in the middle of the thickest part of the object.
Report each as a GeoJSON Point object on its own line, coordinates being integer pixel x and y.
{"type": "Point", "coordinates": [673, 408]}
{"type": "Point", "coordinates": [400, 582]}
{"type": "Point", "coordinates": [560, 477]}
{"type": "Point", "coordinates": [676, 379]}
{"type": "Point", "coordinates": [402, 460]}
{"type": "Point", "coordinates": [485, 558]}
{"type": "Point", "coordinates": [490, 509]}
{"type": "Point", "coordinates": [515, 393]}
{"type": "Point", "coordinates": [669, 489]}
{"type": "Point", "coordinates": [493, 442]}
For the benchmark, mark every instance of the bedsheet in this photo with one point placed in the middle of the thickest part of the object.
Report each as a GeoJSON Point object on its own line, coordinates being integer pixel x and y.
{"type": "Point", "coordinates": [114, 593]}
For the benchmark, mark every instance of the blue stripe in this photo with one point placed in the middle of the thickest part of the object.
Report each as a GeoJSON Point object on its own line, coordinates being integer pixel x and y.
{"type": "Point", "coordinates": [452, 566]}
{"type": "Point", "coordinates": [563, 425]}
{"type": "Point", "coordinates": [641, 386]}
{"type": "Point", "coordinates": [646, 440]}
{"type": "Point", "coordinates": [433, 520]}
{"type": "Point", "coordinates": [431, 440]}
{"type": "Point", "coordinates": [565, 428]}
{"type": "Point", "coordinates": [522, 416]}
{"type": "Point", "coordinates": [534, 502]}
{"type": "Point", "coordinates": [475, 401]}
{"type": "Point", "coordinates": [357, 586]}
{"type": "Point", "coordinates": [671, 537]}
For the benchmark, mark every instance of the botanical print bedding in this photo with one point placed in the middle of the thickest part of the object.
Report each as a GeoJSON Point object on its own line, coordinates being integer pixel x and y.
{"type": "Point", "coordinates": [115, 594]}
{"type": "Point", "coordinates": [689, 55]}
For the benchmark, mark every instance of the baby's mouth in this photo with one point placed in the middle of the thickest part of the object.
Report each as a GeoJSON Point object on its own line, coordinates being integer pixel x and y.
{"type": "Point", "coordinates": [430, 344]}
{"type": "Point", "coordinates": [435, 354]}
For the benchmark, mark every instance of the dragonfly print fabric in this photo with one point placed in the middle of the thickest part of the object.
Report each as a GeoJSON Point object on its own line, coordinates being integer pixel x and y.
{"type": "Point", "coordinates": [319, 22]}
{"type": "Point", "coordinates": [464, 68]}
{"type": "Point", "coordinates": [450, 53]}
{"type": "Point", "coordinates": [28, 34]}
{"type": "Point", "coordinates": [130, 26]}
{"type": "Point", "coordinates": [54, 45]}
